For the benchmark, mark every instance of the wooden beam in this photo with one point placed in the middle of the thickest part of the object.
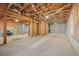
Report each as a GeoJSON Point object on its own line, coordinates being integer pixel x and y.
{"type": "Point", "coordinates": [50, 11]}
{"type": "Point", "coordinates": [25, 7]}
{"type": "Point", "coordinates": [37, 6]}
{"type": "Point", "coordinates": [19, 6]}
{"type": "Point", "coordinates": [65, 11]}
{"type": "Point", "coordinates": [54, 11]}
{"type": "Point", "coordinates": [5, 24]}
{"type": "Point", "coordinates": [9, 6]}
{"type": "Point", "coordinates": [41, 11]}
{"type": "Point", "coordinates": [58, 11]}
{"type": "Point", "coordinates": [5, 31]}
{"type": "Point", "coordinates": [34, 7]}
{"type": "Point", "coordinates": [5, 27]}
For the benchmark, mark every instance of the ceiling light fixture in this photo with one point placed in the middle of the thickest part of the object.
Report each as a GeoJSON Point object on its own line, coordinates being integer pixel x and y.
{"type": "Point", "coordinates": [46, 17]}
{"type": "Point", "coordinates": [16, 20]}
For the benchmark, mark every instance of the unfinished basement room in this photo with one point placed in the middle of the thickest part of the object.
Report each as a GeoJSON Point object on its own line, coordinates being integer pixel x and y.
{"type": "Point", "coordinates": [39, 29]}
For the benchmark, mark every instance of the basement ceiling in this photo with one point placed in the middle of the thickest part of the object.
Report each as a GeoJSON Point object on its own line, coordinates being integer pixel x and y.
{"type": "Point", "coordinates": [56, 12]}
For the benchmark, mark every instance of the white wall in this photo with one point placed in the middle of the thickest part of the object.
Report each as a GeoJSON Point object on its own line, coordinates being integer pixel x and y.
{"type": "Point", "coordinates": [25, 28]}
{"type": "Point", "coordinates": [58, 28]}
{"type": "Point", "coordinates": [71, 24]}
{"type": "Point", "coordinates": [18, 28]}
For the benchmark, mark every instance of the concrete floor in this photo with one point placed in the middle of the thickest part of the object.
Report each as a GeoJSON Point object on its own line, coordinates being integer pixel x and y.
{"type": "Point", "coordinates": [50, 45]}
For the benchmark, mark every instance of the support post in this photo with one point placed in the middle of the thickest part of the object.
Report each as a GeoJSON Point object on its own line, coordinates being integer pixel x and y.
{"type": "Point", "coordinates": [5, 32]}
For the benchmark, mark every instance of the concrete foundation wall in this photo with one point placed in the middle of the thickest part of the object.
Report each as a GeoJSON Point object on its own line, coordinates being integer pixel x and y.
{"type": "Point", "coordinates": [72, 27]}
{"type": "Point", "coordinates": [57, 28]}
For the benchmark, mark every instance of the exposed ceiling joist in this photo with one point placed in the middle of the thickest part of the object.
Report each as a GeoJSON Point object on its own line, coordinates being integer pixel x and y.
{"type": "Point", "coordinates": [41, 12]}
{"type": "Point", "coordinates": [58, 11]}
{"type": "Point", "coordinates": [20, 6]}
{"type": "Point", "coordinates": [34, 10]}
{"type": "Point", "coordinates": [36, 7]}
{"type": "Point", "coordinates": [9, 6]}
{"type": "Point", "coordinates": [33, 6]}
